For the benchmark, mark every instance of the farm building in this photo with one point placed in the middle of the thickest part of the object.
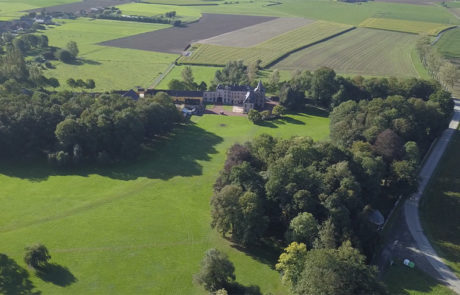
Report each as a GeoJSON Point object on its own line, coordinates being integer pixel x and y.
{"type": "Point", "coordinates": [179, 96]}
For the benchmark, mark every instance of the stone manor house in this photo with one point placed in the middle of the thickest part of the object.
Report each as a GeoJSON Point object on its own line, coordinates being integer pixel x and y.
{"type": "Point", "coordinates": [244, 96]}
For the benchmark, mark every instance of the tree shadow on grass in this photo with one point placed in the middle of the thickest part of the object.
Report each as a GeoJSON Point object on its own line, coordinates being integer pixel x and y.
{"type": "Point", "coordinates": [57, 274]}
{"type": "Point", "coordinates": [83, 61]}
{"type": "Point", "coordinates": [178, 154]}
{"type": "Point", "coordinates": [402, 280]}
{"type": "Point", "coordinates": [311, 110]}
{"type": "Point", "coordinates": [14, 279]}
{"type": "Point", "coordinates": [267, 124]}
{"type": "Point", "coordinates": [290, 120]}
{"type": "Point", "coordinates": [236, 288]}
{"type": "Point", "coordinates": [267, 252]}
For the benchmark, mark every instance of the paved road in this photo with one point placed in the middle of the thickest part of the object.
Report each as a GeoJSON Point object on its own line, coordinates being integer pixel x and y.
{"type": "Point", "coordinates": [411, 205]}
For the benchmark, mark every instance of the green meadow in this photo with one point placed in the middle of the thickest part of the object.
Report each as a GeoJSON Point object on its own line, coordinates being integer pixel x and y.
{"type": "Point", "coordinates": [138, 228]}
{"type": "Point", "coordinates": [110, 67]}
{"type": "Point", "coordinates": [449, 44]}
{"type": "Point", "coordinates": [13, 9]}
{"type": "Point", "coordinates": [402, 280]}
{"type": "Point", "coordinates": [184, 13]}
{"type": "Point", "coordinates": [441, 206]}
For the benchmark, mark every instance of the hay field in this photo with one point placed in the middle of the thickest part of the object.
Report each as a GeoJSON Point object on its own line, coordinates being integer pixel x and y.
{"type": "Point", "coordinates": [415, 27]}
{"type": "Point", "coordinates": [268, 51]}
{"type": "Point", "coordinates": [253, 35]}
{"type": "Point", "coordinates": [360, 52]}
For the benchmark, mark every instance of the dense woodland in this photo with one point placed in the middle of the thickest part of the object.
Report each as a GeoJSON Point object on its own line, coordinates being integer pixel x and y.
{"type": "Point", "coordinates": [320, 195]}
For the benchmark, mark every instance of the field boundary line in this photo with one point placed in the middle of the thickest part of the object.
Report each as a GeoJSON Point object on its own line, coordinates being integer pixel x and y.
{"type": "Point", "coordinates": [277, 60]}
{"type": "Point", "coordinates": [162, 76]}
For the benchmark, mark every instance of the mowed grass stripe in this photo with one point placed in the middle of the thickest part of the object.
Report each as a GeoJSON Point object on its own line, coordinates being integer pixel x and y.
{"type": "Point", "coordinates": [360, 52]}
{"type": "Point", "coordinates": [415, 27]}
{"type": "Point", "coordinates": [268, 51]}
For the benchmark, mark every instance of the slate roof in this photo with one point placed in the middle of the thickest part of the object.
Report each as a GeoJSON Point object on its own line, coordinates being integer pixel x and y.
{"type": "Point", "coordinates": [234, 87]}
{"type": "Point", "coordinates": [176, 93]}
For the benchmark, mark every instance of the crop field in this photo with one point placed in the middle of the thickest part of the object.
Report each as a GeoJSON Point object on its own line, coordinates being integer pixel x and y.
{"type": "Point", "coordinates": [253, 35]}
{"type": "Point", "coordinates": [174, 39]}
{"type": "Point", "coordinates": [404, 26]}
{"type": "Point", "coordinates": [267, 51]}
{"type": "Point", "coordinates": [360, 52]}
{"type": "Point", "coordinates": [139, 228]}
{"type": "Point", "coordinates": [111, 68]}
{"type": "Point", "coordinates": [441, 205]}
{"type": "Point", "coordinates": [185, 14]}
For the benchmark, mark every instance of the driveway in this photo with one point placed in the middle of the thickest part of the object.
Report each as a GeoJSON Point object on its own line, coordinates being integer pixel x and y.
{"type": "Point", "coordinates": [411, 207]}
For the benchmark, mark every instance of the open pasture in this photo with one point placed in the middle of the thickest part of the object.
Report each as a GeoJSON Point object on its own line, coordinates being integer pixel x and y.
{"type": "Point", "coordinates": [185, 14]}
{"type": "Point", "coordinates": [441, 205]}
{"type": "Point", "coordinates": [13, 9]}
{"type": "Point", "coordinates": [268, 51]}
{"type": "Point", "coordinates": [253, 35]}
{"type": "Point", "coordinates": [176, 39]}
{"type": "Point", "coordinates": [337, 11]}
{"type": "Point", "coordinates": [414, 27]}
{"type": "Point", "coordinates": [111, 68]}
{"type": "Point", "coordinates": [360, 52]}
{"type": "Point", "coordinates": [449, 44]}
{"type": "Point", "coordinates": [76, 7]}
{"type": "Point", "coordinates": [139, 228]}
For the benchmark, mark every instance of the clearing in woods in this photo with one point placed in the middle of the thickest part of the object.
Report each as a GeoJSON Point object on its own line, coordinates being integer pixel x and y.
{"type": "Point", "coordinates": [360, 52]}
{"type": "Point", "coordinates": [268, 51]}
{"type": "Point", "coordinates": [404, 26]}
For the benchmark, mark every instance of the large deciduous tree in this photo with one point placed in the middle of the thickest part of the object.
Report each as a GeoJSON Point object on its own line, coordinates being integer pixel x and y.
{"type": "Point", "coordinates": [216, 272]}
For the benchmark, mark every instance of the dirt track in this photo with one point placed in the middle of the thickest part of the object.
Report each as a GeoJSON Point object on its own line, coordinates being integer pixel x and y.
{"type": "Point", "coordinates": [175, 39]}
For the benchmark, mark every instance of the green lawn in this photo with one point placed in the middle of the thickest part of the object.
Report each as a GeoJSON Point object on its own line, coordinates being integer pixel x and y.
{"type": "Point", "coordinates": [441, 206]}
{"type": "Point", "coordinates": [110, 67]}
{"type": "Point", "coordinates": [402, 280]}
{"type": "Point", "coordinates": [140, 228]}
{"type": "Point", "coordinates": [183, 13]}
{"type": "Point", "coordinates": [449, 43]}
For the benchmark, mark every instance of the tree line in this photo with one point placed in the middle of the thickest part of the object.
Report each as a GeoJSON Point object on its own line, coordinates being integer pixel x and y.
{"type": "Point", "coordinates": [73, 128]}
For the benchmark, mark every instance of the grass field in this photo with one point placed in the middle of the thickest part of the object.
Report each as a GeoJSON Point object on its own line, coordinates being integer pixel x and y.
{"type": "Point", "coordinates": [441, 206]}
{"type": "Point", "coordinates": [140, 228]}
{"type": "Point", "coordinates": [337, 11]}
{"type": "Point", "coordinates": [360, 52]}
{"type": "Point", "coordinates": [183, 13]}
{"type": "Point", "coordinates": [449, 44]}
{"type": "Point", "coordinates": [404, 26]}
{"type": "Point", "coordinates": [267, 51]}
{"type": "Point", "coordinates": [110, 67]}
{"type": "Point", "coordinates": [10, 9]}
{"type": "Point", "coordinates": [402, 280]}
